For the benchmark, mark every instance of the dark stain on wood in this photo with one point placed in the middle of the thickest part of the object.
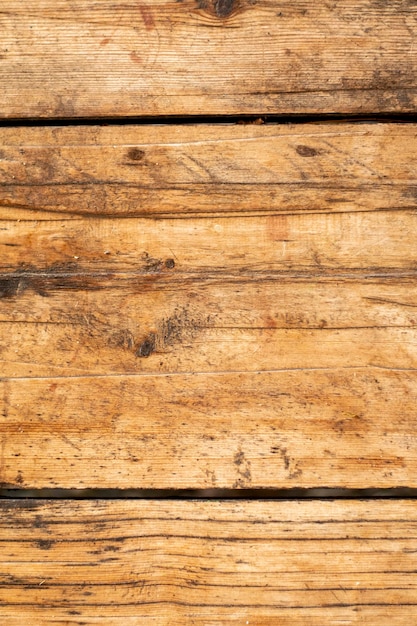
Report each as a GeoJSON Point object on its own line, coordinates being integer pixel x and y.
{"type": "Point", "coordinates": [284, 455]}
{"type": "Point", "coordinates": [224, 8]}
{"type": "Point", "coordinates": [180, 327]}
{"type": "Point", "coordinates": [122, 338]}
{"type": "Point", "coordinates": [72, 276]}
{"type": "Point", "coordinates": [23, 504]}
{"type": "Point", "coordinates": [44, 544]}
{"type": "Point", "coordinates": [243, 467]}
{"type": "Point", "coordinates": [239, 458]}
{"type": "Point", "coordinates": [147, 346]}
{"type": "Point", "coordinates": [147, 17]}
{"type": "Point", "coordinates": [220, 10]}
{"type": "Point", "coordinates": [40, 281]}
{"type": "Point", "coordinates": [152, 264]}
{"type": "Point", "coordinates": [9, 286]}
{"type": "Point", "coordinates": [173, 328]}
{"type": "Point", "coordinates": [135, 154]}
{"type": "Point", "coordinates": [306, 151]}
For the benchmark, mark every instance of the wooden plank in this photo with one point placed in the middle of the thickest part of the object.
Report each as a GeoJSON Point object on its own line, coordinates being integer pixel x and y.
{"type": "Point", "coordinates": [266, 324]}
{"type": "Point", "coordinates": [270, 347]}
{"type": "Point", "coordinates": [331, 427]}
{"type": "Point", "coordinates": [135, 562]}
{"type": "Point", "coordinates": [62, 59]}
{"type": "Point", "coordinates": [177, 171]}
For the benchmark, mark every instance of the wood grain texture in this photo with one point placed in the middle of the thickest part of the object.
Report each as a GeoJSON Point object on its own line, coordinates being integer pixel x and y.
{"type": "Point", "coordinates": [334, 427]}
{"type": "Point", "coordinates": [80, 58]}
{"type": "Point", "coordinates": [185, 170]}
{"type": "Point", "coordinates": [151, 346]}
{"type": "Point", "coordinates": [136, 562]}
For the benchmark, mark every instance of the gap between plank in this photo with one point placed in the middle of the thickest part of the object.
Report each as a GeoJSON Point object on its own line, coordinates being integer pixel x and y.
{"type": "Point", "coordinates": [317, 493]}
{"type": "Point", "coordinates": [210, 119]}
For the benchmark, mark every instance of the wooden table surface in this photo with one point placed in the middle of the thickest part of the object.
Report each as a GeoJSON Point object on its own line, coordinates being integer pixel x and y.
{"type": "Point", "coordinates": [208, 282]}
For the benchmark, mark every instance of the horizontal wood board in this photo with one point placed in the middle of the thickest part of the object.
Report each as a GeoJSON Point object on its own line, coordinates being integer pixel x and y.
{"type": "Point", "coordinates": [196, 562]}
{"type": "Point", "coordinates": [194, 170]}
{"type": "Point", "coordinates": [261, 338]}
{"type": "Point", "coordinates": [79, 58]}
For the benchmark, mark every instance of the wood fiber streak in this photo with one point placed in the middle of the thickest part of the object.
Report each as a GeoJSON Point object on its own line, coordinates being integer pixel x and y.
{"type": "Point", "coordinates": [140, 562]}
{"type": "Point", "coordinates": [261, 342]}
{"type": "Point", "coordinates": [62, 59]}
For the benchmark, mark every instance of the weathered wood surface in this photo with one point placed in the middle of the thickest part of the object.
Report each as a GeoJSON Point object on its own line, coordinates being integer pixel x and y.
{"type": "Point", "coordinates": [66, 59]}
{"type": "Point", "coordinates": [273, 347]}
{"type": "Point", "coordinates": [134, 562]}
{"type": "Point", "coordinates": [181, 170]}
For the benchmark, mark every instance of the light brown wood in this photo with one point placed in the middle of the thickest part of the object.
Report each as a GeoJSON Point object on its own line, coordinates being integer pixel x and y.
{"type": "Point", "coordinates": [272, 346]}
{"type": "Point", "coordinates": [248, 326]}
{"type": "Point", "coordinates": [181, 170]}
{"type": "Point", "coordinates": [335, 427]}
{"type": "Point", "coordinates": [137, 562]}
{"type": "Point", "coordinates": [72, 58]}
{"type": "Point", "coordinates": [208, 306]}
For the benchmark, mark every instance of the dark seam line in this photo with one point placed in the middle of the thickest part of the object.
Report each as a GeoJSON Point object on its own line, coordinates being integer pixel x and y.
{"type": "Point", "coordinates": [302, 118]}
{"type": "Point", "coordinates": [319, 493]}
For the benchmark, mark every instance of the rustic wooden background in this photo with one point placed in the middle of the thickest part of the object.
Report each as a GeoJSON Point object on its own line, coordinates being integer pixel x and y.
{"type": "Point", "coordinates": [208, 282]}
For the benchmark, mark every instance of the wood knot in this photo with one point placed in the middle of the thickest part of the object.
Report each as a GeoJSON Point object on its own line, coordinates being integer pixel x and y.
{"type": "Point", "coordinates": [306, 151]}
{"type": "Point", "coordinates": [135, 154]}
{"type": "Point", "coordinates": [147, 346]}
{"type": "Point", "coordinates": [222, 9]}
